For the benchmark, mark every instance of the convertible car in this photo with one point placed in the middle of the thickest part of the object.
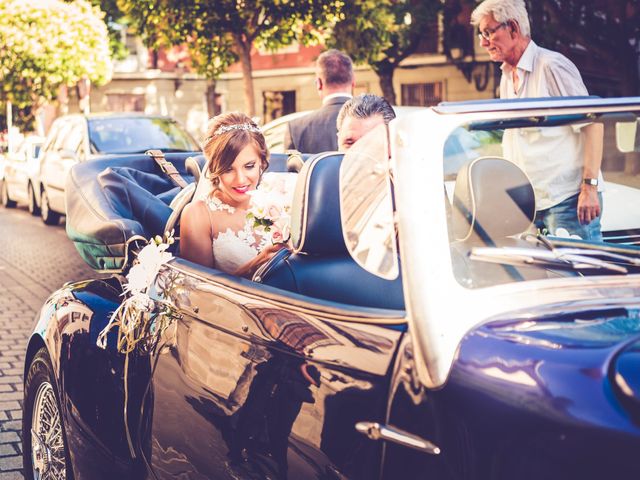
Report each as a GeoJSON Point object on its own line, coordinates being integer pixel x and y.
{"type": "Point", "coordinates": [419, 325]}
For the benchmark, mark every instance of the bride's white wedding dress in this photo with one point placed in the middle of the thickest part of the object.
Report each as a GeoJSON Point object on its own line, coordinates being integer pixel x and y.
{"type": "Point", "coordinates": [232, 249]}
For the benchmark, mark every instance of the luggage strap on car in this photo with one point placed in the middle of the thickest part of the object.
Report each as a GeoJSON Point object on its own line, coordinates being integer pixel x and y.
{"type": "Point", "coordinates": [167, 167]}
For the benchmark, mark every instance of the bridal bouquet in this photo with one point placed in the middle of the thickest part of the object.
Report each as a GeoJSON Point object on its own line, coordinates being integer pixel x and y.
{"type": "Point", "coordinates": [140, 320]}
{"type": "Point", "coordinates": [270, 209]}
{"type": "Point", "coordinates": [133, 317]}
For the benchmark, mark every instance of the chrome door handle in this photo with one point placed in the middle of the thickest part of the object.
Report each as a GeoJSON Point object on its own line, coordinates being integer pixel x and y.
{"type": "Point", "coordinates": [375, 431]}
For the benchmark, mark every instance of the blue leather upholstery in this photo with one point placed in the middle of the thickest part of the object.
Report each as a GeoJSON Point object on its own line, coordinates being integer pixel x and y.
{"type": "Point", "coordinates": [283, 162]}
{"type": "Point", "coordinates": [320, 265]}
{"type": "Point", "coordinates": [111, 200]}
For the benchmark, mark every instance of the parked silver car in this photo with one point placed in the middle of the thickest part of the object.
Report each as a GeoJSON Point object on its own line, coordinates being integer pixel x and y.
{"type": "Point", "coordinates": [77, 138]}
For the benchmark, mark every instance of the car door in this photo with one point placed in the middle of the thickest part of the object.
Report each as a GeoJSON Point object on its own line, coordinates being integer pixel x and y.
{"type": "Point", "coordinates": [253, 384]}
{"type": "Point", "coordinates": [66, 155]}
{"type": "Point", "coordinates": [51, 166]}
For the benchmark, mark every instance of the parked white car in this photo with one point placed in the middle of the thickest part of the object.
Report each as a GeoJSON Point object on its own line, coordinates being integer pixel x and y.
{"type": "Point", "coordinates": [78, 138]}
{"type": "Point", "coordinates": [17, 177]}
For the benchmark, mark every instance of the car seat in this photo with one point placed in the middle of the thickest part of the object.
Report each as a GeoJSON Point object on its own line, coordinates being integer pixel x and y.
{"type": "Point", "coordinates": [484, 184]}
{"type": "Point", "coordinates": [194, 166]}
{"type": "Point", "coordinates": [319, 265]}
{"type": "Point", "coordinates": [493, 205]}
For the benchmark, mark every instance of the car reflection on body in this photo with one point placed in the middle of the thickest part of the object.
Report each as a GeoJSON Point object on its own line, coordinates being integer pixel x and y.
{"type": "Point", "coordinates": [408, 334]}
{"type": "Point", "coordinates": [17, 178]}
{"type": "Point", "coordinates": [78, 138]}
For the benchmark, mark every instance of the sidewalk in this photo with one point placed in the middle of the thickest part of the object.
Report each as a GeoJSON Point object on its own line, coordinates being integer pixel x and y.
{"type": "Point", "coordinates": [18, 303]}
{"type": "Point", "coordinates": [34, 261]}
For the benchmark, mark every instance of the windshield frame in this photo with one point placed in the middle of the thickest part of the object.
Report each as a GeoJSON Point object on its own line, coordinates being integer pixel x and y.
{"type": "Point", "coordinates": [440, 310]}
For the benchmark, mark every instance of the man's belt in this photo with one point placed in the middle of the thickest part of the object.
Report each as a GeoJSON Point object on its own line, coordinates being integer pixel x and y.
{"type": "Point", "coordinates": [167, 167]}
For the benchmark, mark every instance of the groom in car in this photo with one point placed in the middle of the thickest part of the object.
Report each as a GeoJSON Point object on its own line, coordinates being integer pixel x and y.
{"type": "Point", "coordinates": [359, 116]}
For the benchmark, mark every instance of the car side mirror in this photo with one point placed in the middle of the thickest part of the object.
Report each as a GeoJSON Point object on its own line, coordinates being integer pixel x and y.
{"type": "Point", "coordinates": [66, 154]}
{"type": "Point", "coordinates": [627, 137]}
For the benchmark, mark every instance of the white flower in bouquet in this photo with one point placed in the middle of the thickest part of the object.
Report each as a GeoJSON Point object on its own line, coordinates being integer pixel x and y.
{"type": "Point", "coordinates": [270, 209]}
{"type": "Point", "coordinates": [129, 315]}
{"type": "Point", "coordinates": [150, 259]}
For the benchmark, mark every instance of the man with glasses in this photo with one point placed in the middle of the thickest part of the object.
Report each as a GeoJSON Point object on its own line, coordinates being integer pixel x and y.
{"type": "Point", "coordinates": [563, 163]}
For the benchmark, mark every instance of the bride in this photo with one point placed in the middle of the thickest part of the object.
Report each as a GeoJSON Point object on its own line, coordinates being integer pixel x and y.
{"type": "Point", "coordinates": [215, 232]}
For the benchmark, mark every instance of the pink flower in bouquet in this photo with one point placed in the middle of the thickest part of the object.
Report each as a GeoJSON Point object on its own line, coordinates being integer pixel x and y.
{"type": "Point", "coordinates": [271, 206]}
{"type": "Point", "coordinates": [274, 212]}
{"type": "Point", "coordinates": [280, 230]}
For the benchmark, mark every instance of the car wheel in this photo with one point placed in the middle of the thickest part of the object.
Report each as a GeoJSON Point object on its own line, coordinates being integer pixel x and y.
{"type": "Point", "coordinates": [34, 209]}
{"type": "Point", "coordinates": [48, 216]}
{"type": "Point", "coordinates": [4, 196]}
{"type": "Point", "coordinates": [45, 453]}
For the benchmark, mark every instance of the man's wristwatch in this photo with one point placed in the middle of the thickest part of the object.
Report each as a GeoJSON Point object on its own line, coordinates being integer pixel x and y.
{"type": "Point", "coordinates": [590, 181]}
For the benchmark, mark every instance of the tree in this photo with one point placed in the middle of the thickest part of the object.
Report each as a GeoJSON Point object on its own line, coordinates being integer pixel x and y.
{"type": "Point", "coordinates": [47, 44]}
{"type": "Point", "coordinates": [608, 30]}
{"type": "Point", "coordinates": [225, 32]}
{"type": "Point", "coordinates": [115, 20]}
{"type": "Point", "coordinates": [382, 33]}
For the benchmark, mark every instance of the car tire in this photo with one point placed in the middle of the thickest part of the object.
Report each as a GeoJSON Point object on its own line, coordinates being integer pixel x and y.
{"type": "Point", "coordinates": [4, 196]}
{"type": "Point", "coordinates": [48, 216]}
{"type": "Point", "coordinates": [44, 441]}
{"type": "Point", "coordinates": [34, 209]}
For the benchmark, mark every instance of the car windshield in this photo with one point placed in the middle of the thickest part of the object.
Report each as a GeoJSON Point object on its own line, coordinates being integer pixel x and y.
{"type": "Point", "coordinates": [514, 188]}
{"type": "Point", "coordinates": [138, 134]}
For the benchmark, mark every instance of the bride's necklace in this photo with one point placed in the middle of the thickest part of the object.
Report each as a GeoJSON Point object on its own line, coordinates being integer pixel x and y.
{"type": "Point", "coordinates": [218, 204]}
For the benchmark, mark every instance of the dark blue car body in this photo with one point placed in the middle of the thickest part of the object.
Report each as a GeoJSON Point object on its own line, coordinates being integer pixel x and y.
{"type": "Point", "coordinates": [256, 381]}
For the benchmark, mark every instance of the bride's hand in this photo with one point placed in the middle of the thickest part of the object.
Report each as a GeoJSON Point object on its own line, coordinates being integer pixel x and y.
{"type": "Point", "coordinates": [249, 268]}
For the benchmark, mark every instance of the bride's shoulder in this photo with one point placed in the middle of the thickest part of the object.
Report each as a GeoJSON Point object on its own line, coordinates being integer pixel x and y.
{"type": "Point", "coordinates": [194, 212]}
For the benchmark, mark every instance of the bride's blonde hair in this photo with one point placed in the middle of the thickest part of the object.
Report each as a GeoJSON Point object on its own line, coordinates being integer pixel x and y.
{"type": "Point", "coordinates": [227, 135]}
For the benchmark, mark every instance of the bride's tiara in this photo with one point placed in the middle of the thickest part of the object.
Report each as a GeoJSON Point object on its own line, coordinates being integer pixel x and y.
{"type": "Point", "coordinates": [237, 126]}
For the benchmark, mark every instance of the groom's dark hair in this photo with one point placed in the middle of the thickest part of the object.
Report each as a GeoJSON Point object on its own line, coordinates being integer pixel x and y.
{"type": "Point", "coordinates": [366, 105]}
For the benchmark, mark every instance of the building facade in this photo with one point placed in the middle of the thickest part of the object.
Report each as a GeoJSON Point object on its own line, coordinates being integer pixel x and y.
{"type": "Point", "coordinates": [162, 83]}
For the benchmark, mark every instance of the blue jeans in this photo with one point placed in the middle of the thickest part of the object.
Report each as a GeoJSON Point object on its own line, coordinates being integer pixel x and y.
{"type": "Point", "coordinates": [565, 215]}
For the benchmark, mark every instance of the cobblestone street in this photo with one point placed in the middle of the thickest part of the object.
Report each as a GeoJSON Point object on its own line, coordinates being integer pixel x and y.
{"type": "Point", "coordinates": [34, 261]}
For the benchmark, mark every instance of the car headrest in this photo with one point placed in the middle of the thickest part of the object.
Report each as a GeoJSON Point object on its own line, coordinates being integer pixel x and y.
{"type": "Point", "coordinates": [316, 226]}
{"type": "Point", "coordinates": [194, 166]}
{"type": "Point", "coordinates": [493, 198]}
{"type": "Point", "coordinates": [295, 160]}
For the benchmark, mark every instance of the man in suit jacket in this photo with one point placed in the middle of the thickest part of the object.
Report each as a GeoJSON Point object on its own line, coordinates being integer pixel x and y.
{"type": "Point", "coordinates": [316, 132]}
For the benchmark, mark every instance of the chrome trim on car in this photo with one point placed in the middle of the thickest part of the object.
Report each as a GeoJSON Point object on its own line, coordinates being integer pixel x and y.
{"type": "Point", "coordinates": [375, 431]}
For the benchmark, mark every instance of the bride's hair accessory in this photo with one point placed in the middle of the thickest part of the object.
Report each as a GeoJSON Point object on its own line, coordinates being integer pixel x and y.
{"type": "Point", "coordinates": [237, 126]}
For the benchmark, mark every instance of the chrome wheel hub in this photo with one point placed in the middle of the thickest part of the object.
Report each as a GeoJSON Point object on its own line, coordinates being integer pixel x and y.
{"type": "Point", "coordinates": [47, 446]}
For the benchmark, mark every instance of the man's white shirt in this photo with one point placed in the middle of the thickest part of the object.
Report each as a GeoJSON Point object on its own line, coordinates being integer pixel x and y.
{"type": "Point", "coordinates": [552, 157]}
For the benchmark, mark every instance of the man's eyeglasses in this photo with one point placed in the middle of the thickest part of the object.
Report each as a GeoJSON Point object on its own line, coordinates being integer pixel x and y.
{"type": "Point", "coordinates": [487, 33]}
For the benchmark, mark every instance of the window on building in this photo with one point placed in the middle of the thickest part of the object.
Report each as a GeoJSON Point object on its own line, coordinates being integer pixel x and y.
{"type": "Point", "coordinates": [422, 94]}
{"type": "Point", "coordinates": [277, 103]}
{"type": "Point", "coordinates": [125, 102]}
